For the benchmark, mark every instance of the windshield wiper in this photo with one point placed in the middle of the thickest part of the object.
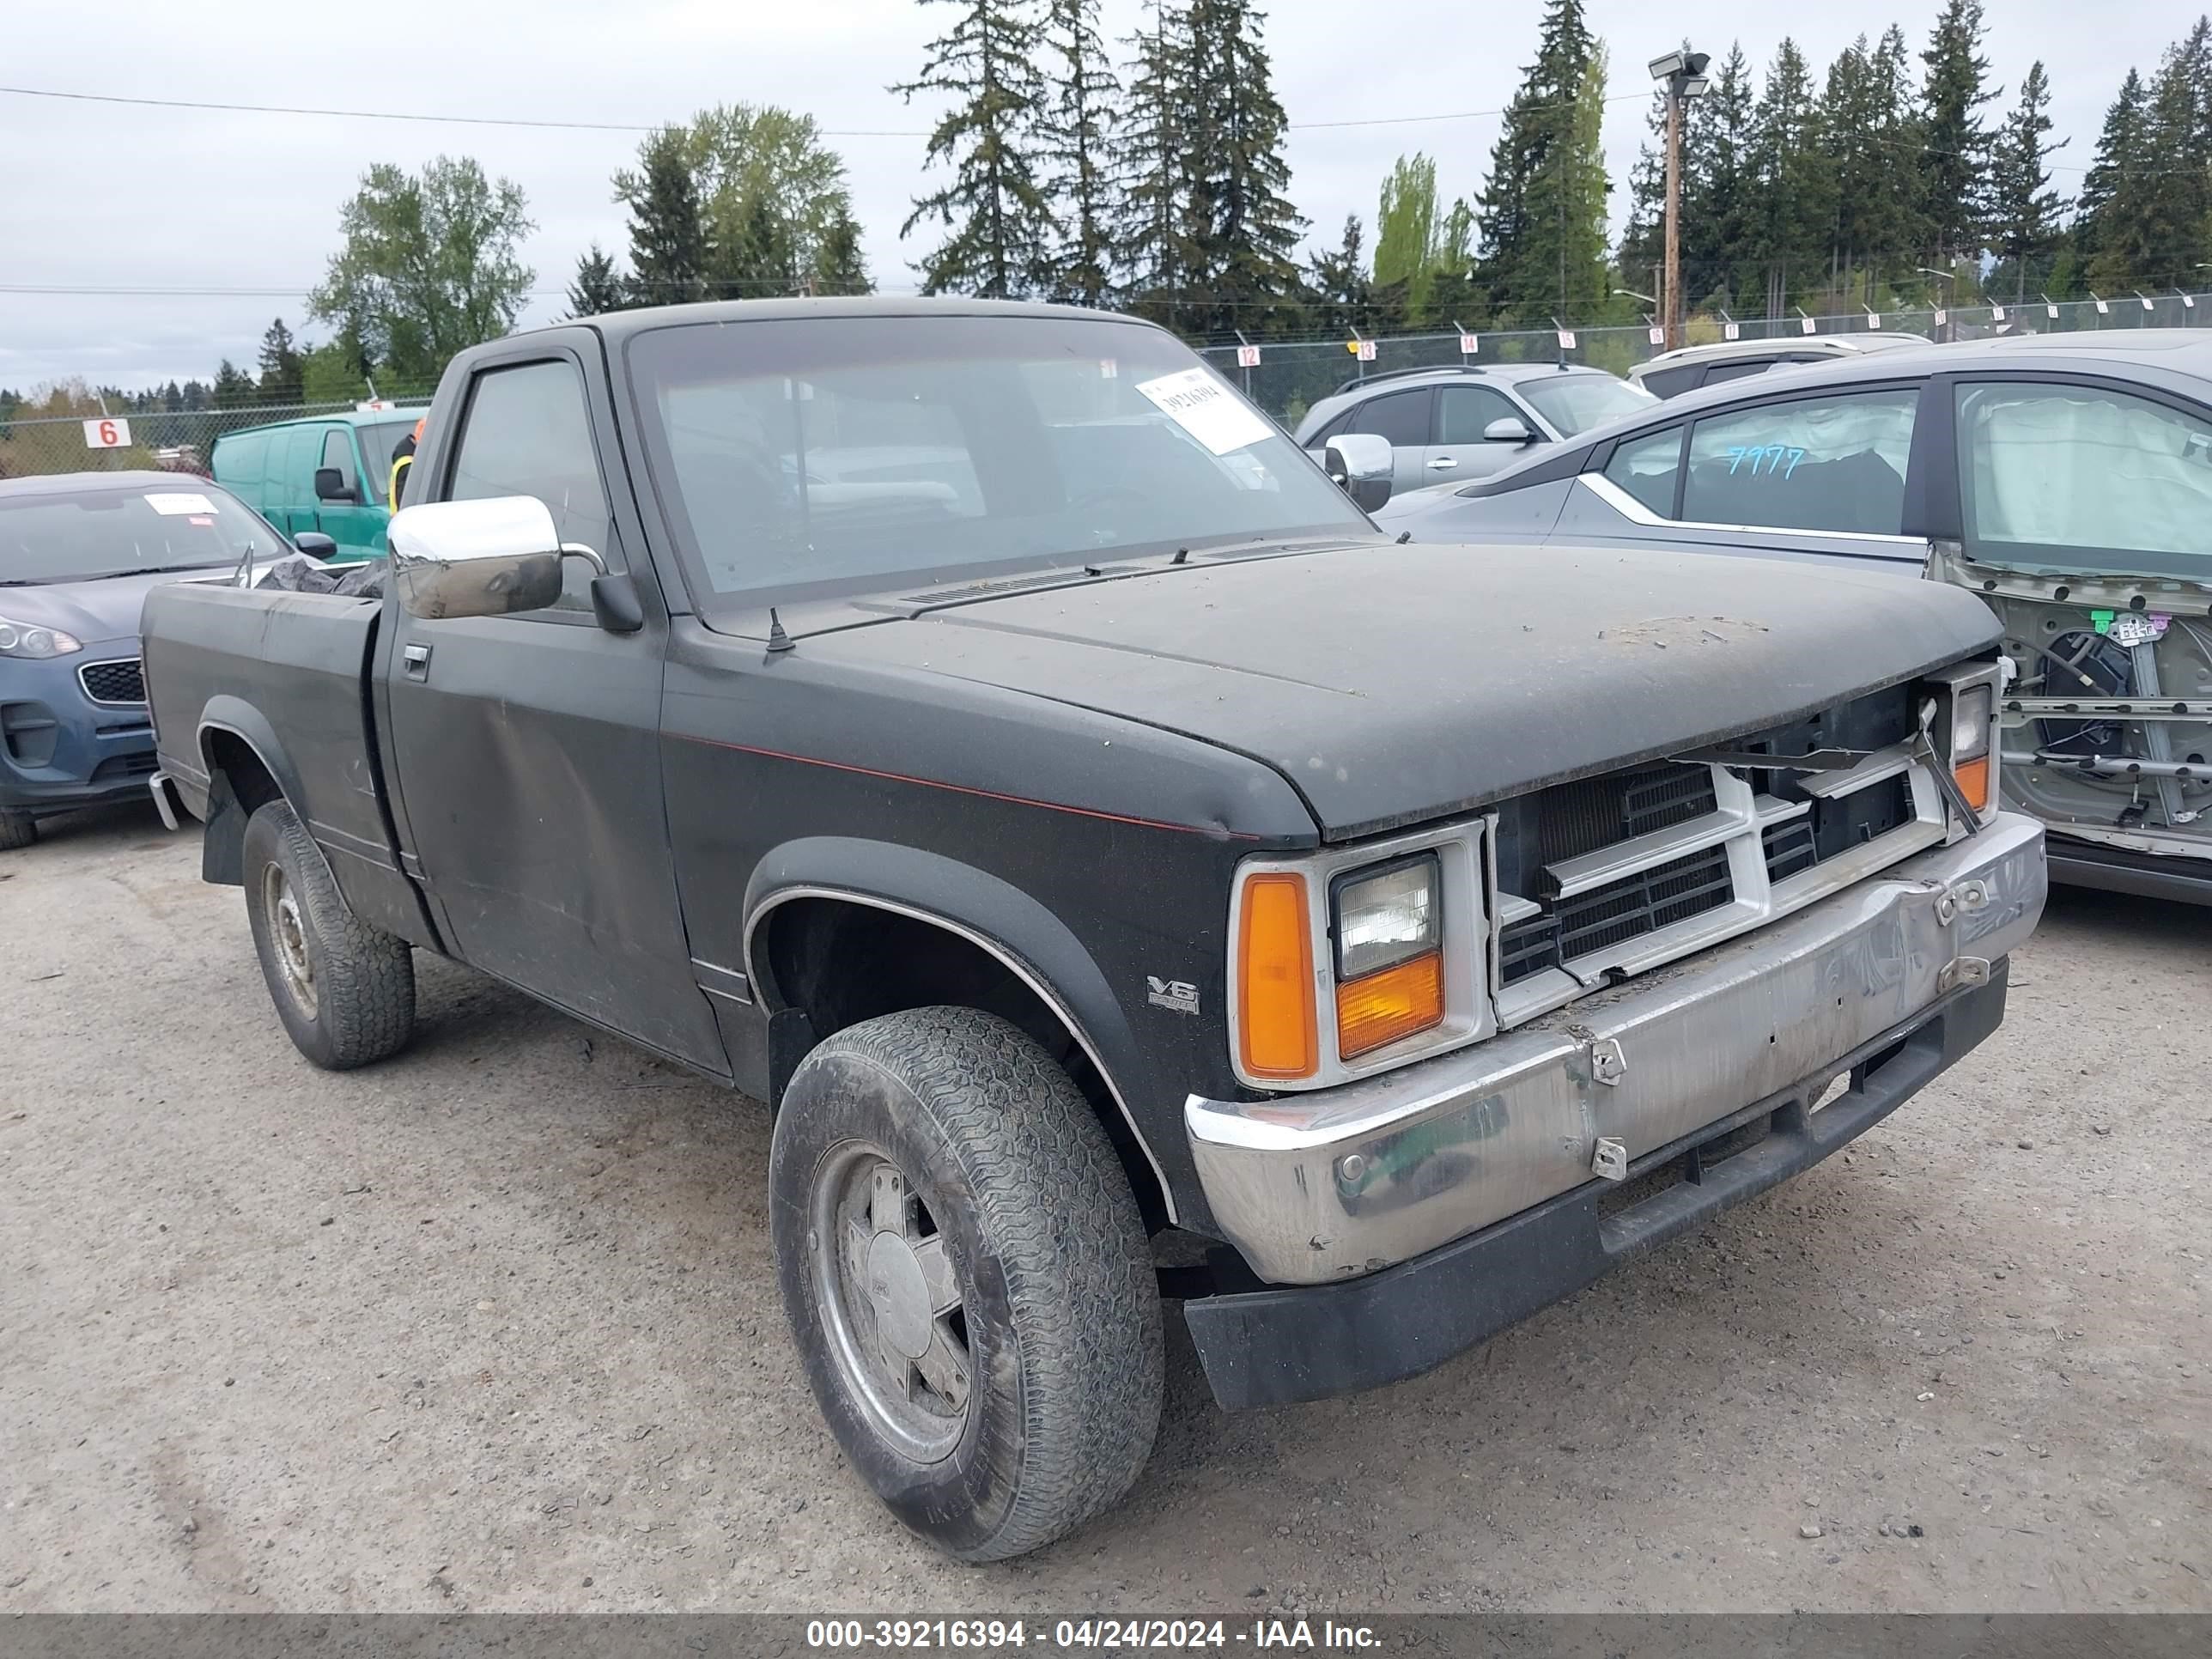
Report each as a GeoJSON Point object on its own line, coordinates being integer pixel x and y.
{"type": "Point", "coordinates": [161, 570]}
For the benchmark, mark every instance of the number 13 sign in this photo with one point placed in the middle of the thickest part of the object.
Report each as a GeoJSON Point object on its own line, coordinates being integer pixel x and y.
{"type": "Point", "coordinates": [106, 434]}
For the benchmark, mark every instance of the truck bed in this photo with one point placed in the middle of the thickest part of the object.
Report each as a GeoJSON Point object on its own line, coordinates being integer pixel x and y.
{"type": "Point", "coordinates": [226, 663]}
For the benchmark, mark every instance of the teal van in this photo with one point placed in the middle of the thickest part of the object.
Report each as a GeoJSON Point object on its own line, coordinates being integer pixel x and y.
{"type": "Point", "coordinates": [328, 473]}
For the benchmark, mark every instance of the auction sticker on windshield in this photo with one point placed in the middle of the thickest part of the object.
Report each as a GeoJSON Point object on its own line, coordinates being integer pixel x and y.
{"type": "Point", "coordinates": [180, 506]}
{"type": "Point", "coordinates": [1206, 408]}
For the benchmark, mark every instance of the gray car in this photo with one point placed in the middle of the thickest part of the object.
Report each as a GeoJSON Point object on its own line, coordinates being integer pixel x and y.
{"type": "Point", "coordinates": [1687, 368]}
{"type": "Point", "coordinates": [2067, 479]}
{"type": "Point", "coordinates": [1456, 422]}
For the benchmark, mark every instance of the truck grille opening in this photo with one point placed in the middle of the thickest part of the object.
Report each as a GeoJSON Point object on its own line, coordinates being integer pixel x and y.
{"type": "Point", "coordinates": [1573, 889]}
{"type": "Point", "coordinates": [113, 682]}
{"type": "Point", "coordinates": [1641, 903]}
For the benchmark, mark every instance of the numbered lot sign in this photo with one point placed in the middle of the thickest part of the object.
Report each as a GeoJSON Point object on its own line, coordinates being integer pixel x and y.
{"type": "Point", "coordinates": [108, 431]}
{"type": "Point", "coordinates": [1247, 356]}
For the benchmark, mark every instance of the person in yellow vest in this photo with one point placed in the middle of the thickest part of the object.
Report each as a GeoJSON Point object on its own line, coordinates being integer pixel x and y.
{"type": "Point", "coordinates": [403, 458]}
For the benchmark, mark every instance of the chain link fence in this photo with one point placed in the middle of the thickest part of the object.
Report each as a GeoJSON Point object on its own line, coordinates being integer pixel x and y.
{"type": "Point", "coordinates": [1291, 376]}
{"type": "Point", "coordinates": [162, 440]}
{"type": "Point", "coordinates": [1288, 379]}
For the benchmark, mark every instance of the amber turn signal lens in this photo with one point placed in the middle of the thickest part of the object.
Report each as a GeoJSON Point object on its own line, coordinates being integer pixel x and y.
{"type": "Point", "coordinates": [1385, 1006]}
{"type": "Point", "coordinates": [1276, 1026]}
{"type": "Point", "coordinates": [1973, 777]}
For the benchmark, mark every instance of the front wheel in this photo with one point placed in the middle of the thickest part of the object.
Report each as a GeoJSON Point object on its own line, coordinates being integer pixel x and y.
{"type": "Point", "coordinates": [17, 829]}
{"type": "Point", "coordinates": [344, 990]}
{"type": "Point", "coordinates": [967, 1279]}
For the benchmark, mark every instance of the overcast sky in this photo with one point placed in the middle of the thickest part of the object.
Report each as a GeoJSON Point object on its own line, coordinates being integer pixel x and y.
{"type": "Point", "coordinates": [107, 196]}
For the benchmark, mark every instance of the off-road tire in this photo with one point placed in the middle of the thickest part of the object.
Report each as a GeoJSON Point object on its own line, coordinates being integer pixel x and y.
{"type": "Point", "coordinates": [363, 978]}
{"type": "Point", "coordinates": [1060, 1297]}
{"type": "Point", "coordinates": [17, 829]}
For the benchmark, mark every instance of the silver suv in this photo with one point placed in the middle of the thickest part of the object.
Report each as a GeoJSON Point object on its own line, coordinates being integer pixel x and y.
{"type": "Point", "coordinates": [1459, 422]}
{"type": "Point", "coordinates": [1687, 368]}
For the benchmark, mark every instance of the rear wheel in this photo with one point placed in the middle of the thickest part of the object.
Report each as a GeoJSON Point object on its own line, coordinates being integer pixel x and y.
{"type": "Point", "coordinates": [17, 829]}
{"type": "Point", "coordinates": [968, 1278]}
{"type": "Point", "coordinates": [344, 990]}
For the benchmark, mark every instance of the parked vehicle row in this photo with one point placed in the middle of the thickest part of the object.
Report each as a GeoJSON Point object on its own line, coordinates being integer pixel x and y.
{"type": "Point", "coordinates": [328, 474]}
{"type": "Point", "coordinates": [1127, 873]}
{"type": "Point", "coordinates": [2066, 480]}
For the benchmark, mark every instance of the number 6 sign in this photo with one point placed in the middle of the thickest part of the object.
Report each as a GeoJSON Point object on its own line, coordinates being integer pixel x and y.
{"type": "Point", "coordinates": [108, 433]}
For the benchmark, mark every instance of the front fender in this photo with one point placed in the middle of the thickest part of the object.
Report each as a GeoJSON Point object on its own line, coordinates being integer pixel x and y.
{"type": "Point", "coordinates": [999, 918]}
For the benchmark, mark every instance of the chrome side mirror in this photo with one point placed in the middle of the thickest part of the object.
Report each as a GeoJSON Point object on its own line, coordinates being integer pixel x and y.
{"type": "Point", "coordinates": [486, 558]}
{"type": "Point", "coordinates": [1361, 464]}
{"type": "Point", "coordinates": [1508, 429]}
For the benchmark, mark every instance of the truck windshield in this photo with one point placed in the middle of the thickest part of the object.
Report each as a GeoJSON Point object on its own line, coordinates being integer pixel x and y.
{"type": "Point", "coordinates": [841, 454]}
{"type": "Point", "coordinates": [79, 535]}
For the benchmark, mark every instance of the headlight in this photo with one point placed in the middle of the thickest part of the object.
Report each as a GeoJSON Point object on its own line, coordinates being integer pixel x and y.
{"type": "Point", "coordinates": [1382, 917]}
{"type": "Point", "coordinates": [1972, 709]}
{"type": "Point", "coordinates": [1389, 970]}
{"type": "Point", "coordinates": [29, 640]}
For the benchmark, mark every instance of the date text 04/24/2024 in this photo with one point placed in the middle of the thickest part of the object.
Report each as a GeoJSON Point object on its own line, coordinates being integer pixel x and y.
{"type": "Point", "coordinates": [989, 1635]}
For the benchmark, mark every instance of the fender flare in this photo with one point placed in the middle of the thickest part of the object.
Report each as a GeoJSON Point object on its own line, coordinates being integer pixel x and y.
{"type": "Point", "coordinates": [990, 912]}
{"type": "Point", "coordinates": [221, 859]}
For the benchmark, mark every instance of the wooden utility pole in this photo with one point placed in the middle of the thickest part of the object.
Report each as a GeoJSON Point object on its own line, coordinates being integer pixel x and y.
{"type": "Point", "coordinates": [1670, 294]}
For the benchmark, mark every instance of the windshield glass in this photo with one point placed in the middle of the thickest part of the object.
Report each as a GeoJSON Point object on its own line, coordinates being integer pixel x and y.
{"type": "Point", "coordinates": [848, 453]}
{"type": "Point", "coordinates": [113, 532]}
{"type": "Point", "coordinates": [1574, 403]}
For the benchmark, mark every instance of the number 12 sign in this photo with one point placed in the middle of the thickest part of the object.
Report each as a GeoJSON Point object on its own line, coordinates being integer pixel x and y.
{"type": "Point", "coordinates": [106, 434]}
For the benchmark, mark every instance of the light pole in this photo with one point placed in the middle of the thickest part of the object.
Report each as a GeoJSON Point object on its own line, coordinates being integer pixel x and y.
{"type": "Point", "coordinates": [1683, 74]}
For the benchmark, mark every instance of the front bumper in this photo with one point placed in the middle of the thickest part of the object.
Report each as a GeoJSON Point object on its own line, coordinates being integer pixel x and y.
{"type": "Point", "coordinates": [59, 748]}
{"type": "Point", "coordinates": [1340, 1183]}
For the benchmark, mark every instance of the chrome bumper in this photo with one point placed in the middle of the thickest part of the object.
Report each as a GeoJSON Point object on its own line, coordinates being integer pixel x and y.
{"type": "Point", "coordinates": [1325, 1185]}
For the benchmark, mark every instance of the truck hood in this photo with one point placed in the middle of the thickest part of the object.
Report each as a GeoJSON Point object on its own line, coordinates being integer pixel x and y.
{"type": "Point", "coordinates": [104, 609]}
{"type": "Point", "coordinates": [1391, 684]}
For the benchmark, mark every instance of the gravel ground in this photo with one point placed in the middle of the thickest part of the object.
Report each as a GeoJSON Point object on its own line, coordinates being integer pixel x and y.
{"type": "Point", "coordinates": [493, 1325]}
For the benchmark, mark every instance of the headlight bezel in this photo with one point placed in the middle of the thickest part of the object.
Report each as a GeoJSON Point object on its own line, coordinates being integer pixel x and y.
{"type": "Point", "coordinates": [17, 640]}
{"type": "Point", "coordinates": [1959, 689]}
{"type": "Point", "coordinates": [1460, 924]}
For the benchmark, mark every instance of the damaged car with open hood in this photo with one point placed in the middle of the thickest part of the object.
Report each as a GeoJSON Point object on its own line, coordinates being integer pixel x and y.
{"type": "Point", "coordinates": [2066, 479]}
{"type": "Point", "coordinates": [1130, 879]}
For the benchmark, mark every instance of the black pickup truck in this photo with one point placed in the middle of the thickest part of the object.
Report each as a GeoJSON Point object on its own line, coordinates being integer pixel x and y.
{"type": "Point", "coordinates": [974, 731]}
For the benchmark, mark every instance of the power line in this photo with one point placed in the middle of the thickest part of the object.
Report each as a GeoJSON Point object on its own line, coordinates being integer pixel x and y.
{"type": "Point", "coordinates": [622, 126]}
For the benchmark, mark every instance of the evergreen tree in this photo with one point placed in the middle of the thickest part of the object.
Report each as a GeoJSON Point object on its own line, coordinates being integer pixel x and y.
{"type": "Point", "coordinates": [1242, 233]}
{"type": "Point", "coordinates": [993, 207]}
{"type": "Point", "coordinates": [1795, 181]}
{"type": "Point", "coordinates": [1869, 144]}
{"type": "Point", "coordinates": [1643, 238]}
{"type": "Point", "coordinates": [669, 249]}
{"type": "Point", "coordinates": [281, 366]}
{"type": "Point", "coordinates": [1953, 165]}
{"type": "Point", "coordinates": [1153, 158]}
{"type": "Point", "coordinates": [234, 387]}
{"type": "Point", "coordinates": [2024, 211]}
{"type": "Point", "coordinates": [1076, 133]}
{"type": "Point", "coordinates": [2108, 223]}
{"type": "Point", "coordinates": [598, 286]}
{"type": "Point", "coordinates": [760, 261]}
{"type": "Point", "coordinates": [1542, 216]}
{"type": "Point", "coordinates": [2178, 135]}
{"type": "Point", "coordinates": [1342, 295]}
{"type": "Point", "coordinates": [841, 269]}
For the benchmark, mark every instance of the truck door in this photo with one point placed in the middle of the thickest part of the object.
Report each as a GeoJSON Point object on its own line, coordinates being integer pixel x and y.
{"type": "Point", "coordinates": [527, 747]}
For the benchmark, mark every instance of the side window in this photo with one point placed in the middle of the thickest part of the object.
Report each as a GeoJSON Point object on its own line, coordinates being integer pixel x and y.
{"type": "Point", "coordinates": [1648, 467]}
{"type": "Point", "coordinates": [337, 451]}
{"type": "Point", "coordinates": [1833, 463]}
{"type": "Point", "coordinates": [2083, 471]}
{"type": "Point", "coordinates": [1672, 382]}
{"type": "Point", "coordinates": [526, 434]}
{"type": "Point", "coordinates": [1400, 416]}
{"type": "Point", "coordinates": [1463, 411]}
{"type": "Point", "coordinates": [1341, 423]}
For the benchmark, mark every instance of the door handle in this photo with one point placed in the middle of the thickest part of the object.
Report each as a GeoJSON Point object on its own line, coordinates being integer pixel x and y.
{"type": "Point", "coordinates": [1442, 461]}
{"type": "Point", "coordinates": [418, 659]}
